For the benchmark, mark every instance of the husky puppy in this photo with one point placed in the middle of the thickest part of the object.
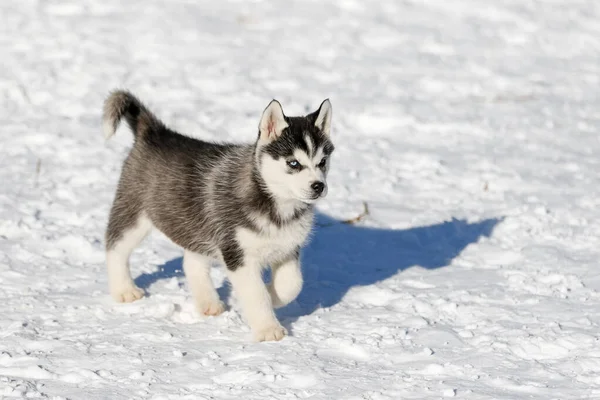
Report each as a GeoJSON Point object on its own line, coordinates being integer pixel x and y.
{"type": "Point", "coordinates": [247, 206]}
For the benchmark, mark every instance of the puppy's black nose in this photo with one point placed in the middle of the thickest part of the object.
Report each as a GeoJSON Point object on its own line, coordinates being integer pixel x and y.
{"type": "Point", "coordinates": [318, 187]}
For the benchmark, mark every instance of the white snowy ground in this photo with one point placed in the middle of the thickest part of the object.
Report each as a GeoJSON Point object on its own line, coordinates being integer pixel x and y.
{"type": "Point", "coordinates": [469, 127]}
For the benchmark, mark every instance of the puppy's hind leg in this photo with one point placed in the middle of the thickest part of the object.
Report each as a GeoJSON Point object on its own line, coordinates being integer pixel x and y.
{"type": "Point", "coordinates": [197, 271]}
{"type": "Point", "coordinates": [125, 232]}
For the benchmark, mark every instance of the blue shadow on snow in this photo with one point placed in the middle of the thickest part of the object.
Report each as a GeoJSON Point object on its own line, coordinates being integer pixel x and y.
{"type": "Point", "coordinates": [341, 256]}
{"type": "Point", "coordinates": [171, 269]}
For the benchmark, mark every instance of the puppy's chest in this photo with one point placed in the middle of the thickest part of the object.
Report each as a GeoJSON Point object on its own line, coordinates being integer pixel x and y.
{"type": "Point", "coordinates": [270, 243]}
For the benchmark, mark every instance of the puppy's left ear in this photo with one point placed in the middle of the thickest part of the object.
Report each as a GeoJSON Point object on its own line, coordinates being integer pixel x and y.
{"type": "Point", "coordinates": [322, 117]}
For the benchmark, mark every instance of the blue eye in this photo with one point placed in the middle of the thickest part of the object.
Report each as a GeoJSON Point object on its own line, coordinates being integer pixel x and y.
{"type": "Point", "coordinates": [322, 163]}
{"type": "Point", "coordinates": [294, 164]}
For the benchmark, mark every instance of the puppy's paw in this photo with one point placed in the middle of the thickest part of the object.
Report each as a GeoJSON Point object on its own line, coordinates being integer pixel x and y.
{"type": "Point", "coordinates": [127, 294]}
{"type": "Point", "coordinates": [211, 308]}
{"type": "Point", "coordinates": [271, 333]}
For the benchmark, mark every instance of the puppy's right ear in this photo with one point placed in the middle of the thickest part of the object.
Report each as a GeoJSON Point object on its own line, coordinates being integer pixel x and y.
{"type": "Point", "coordinates": [272, 122]}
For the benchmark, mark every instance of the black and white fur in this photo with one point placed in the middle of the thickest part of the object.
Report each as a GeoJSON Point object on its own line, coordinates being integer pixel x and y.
{"type": "Point", "coordinates": [248, 206]}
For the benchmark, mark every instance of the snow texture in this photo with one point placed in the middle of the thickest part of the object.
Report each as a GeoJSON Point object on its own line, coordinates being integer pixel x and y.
{"type": "Point", "coordinates": [469, 127]}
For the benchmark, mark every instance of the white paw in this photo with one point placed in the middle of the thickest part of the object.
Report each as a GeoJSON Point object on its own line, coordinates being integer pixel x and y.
{"type": "Point", "coordinates": [127, 294]}
{"type": "Point", "coordinates": [270, 333]}
{"type": "Point", "coordinates": [214, 307]}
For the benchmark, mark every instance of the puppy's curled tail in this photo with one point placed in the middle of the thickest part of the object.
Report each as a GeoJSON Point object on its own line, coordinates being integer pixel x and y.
{"type": "Point", "coordinates": [121, 103]}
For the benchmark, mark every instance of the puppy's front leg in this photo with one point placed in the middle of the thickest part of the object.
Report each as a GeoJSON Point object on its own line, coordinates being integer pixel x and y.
{"type": "Point", "coordinates": [286, 282]}
{"type": "Point", "coordinates": [255, 301]}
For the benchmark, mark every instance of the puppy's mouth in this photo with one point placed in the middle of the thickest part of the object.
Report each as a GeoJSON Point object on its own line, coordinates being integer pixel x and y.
{"type": "Point", "coordinates": [313, 198]}
{"type": "Point", "coordinates": [308, 200]}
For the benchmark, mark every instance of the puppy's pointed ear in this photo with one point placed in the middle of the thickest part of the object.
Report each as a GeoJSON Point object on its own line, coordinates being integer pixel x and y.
{"type": "Point", "coordinates": [322, 117]}
{"type": "Point", "coordinates": [272, 122]}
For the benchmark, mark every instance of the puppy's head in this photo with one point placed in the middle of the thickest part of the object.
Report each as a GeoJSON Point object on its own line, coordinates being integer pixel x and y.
{"type": "Point", "coordinates": [293, 152]}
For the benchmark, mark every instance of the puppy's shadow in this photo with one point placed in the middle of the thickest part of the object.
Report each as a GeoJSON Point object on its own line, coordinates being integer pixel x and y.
{"type": "Point", "coordinates": [173, 269]}
{"type": "Point", "coordinates": [341, 256]}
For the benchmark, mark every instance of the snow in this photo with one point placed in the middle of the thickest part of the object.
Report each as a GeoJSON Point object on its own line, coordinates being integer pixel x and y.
{"type": "Point", "coordinates": [468, 127]}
